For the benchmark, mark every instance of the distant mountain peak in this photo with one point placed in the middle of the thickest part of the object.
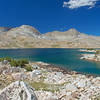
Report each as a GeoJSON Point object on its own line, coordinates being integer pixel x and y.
{"type": "Point", "coordinates": [26, 27]}
{"type": "Point", "coordinates": [73, 31]}
{"type": "Point", "coordinates": [29, 28]}
{"type": "Point", "coordinates": [25, 30]}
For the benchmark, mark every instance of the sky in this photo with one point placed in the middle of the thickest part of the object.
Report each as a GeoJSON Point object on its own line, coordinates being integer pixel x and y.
{"type": "Point", "coordinates": [52, 15]}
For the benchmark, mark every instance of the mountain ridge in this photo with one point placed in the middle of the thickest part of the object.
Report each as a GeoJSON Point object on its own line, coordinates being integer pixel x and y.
{"type": "Point", "coordinates": [27, 36]}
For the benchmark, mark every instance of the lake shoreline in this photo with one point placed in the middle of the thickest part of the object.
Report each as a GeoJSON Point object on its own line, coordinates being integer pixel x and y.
{"type": "Point", "coordinates": [62, 69]}
{"type": "Point", "coordinates": [60, 57]}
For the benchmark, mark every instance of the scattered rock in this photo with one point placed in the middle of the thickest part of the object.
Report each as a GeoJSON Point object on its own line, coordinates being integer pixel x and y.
{"type": "Point", "coordinates": [10, 70]}
{"type": "Point", "coordinates": [44, 95]}
{"type": "Point", "coordinates": [19, 76]}
{"type": "Point", "coordinates": [71, 87]}
{"type": "Point", "coordinates": [35, 66]}
{"type": "Point", "coordinates": [34, 73]}
{"type": "Point", "coordinates": [5, 62]}
{"type": "Point", "coordinates": [81, 83]}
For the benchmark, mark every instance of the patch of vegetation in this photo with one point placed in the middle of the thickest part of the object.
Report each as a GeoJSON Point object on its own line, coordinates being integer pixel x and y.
{"type": "Point", "coordinates": [96, 98]}
{"type": "Point", "coordinates": [69, 43]}
{"type": "Point", "coordinates": [90, 49]}
{"type": "Point", "coordinates": [28, 68]}
{"type": "Point", "coordinates": [55, 46]}
{"type": "Point", "coordinates": [20, 62]}
{"type": "Point", "coordinates": [97, 52]}
{"type": "Point", "coordinates": [40, 85]}
{"type": "Point", "coordinates": [42, 78]}
{"type": "Point", "coordinates": [5, 58]}
{"type": "Point", "coordinates": [15, 62]}
{"type": "Point", "coordinates": [44, 86]}
{"type": "Point", "coordinates": [65, 83]}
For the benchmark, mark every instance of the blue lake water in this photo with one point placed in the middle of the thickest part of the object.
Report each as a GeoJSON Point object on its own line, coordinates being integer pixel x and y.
{"type": "Point", "coordinates": [68, 58]}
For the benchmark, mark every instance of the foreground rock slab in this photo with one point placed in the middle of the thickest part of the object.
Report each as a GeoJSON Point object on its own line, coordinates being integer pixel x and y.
{"type": "Point", "coordinates": [17, 91]}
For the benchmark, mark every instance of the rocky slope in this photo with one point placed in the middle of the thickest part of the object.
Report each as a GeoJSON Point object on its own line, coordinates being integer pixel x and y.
{"type": "Point", "coordinates": [4, 29]}
{"type": "Point", "coordinates": [27, 36]}
{"type": "Point", "coordinates": [63, 36]}
{"type": "Point", "coordinates": [46, 82]}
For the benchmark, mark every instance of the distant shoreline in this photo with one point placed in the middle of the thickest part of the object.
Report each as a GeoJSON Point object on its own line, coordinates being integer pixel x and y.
{"type": "Point", "coordinates": [48, 48]}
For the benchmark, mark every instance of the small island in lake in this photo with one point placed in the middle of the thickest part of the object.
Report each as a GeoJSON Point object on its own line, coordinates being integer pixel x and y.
{"type": "Point", "coordinates": [92, 57]}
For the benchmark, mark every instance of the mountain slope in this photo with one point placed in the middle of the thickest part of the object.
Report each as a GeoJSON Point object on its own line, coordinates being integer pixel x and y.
{"type": "Point", "coordinates": [27, 36]}
{"type": "Point", "coordinates": [63, 36]}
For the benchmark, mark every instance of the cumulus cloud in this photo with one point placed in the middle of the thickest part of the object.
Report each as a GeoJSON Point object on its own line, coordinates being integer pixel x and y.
{"type": "Point", "coordinates": [79, 3]}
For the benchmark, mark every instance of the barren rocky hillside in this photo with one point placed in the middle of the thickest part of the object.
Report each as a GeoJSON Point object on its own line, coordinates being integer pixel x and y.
{"type": "Point", "coordinates": [27, 36]}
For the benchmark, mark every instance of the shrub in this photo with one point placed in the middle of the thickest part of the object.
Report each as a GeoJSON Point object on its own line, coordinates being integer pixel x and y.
{"type": "Point", "coordinates": [2, 59]}
{"type": "Point", "coordinates": [15, 62]}
{"type": "Point", "coordinates": [90, 49]}
{"type": "Point", "coordinates": [28, 68]}
{"type": "Point", "coordinates": [6, 58]}
{"type": "Point", "coordinates": [22, 62]}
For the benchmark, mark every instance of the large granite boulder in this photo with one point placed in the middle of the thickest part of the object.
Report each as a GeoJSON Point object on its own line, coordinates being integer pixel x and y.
{"type": "Point", "coordinates": [34, 73]}
{"type": "Point", "coordinates": [18, 91]}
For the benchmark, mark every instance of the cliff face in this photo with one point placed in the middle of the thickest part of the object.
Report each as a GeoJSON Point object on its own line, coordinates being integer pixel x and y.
{"type": "Point", "coordinates": [27, 36]}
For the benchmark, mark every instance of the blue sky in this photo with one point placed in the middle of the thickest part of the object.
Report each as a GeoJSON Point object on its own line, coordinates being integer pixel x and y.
{"type": "Point", "coordinates": [50, 15]}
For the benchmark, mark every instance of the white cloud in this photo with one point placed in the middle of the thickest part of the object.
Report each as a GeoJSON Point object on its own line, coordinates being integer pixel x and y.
{"type": "Point", "coordinates": [79, 3]}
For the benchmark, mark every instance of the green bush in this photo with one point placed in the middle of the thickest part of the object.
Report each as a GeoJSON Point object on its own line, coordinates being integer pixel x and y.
{"type": "Point", "coordinates": [20, 62]}
{"type": "Point", "coordinates": [2, 59]}
{"type": "Point", "coordinates": [28, 68]}
{"type": "Point", "coordinates": [90, 49]}
{"type": "Point", "coordinates": [15, 62]}
{"type": "Point", "coordinates": [6, 58]}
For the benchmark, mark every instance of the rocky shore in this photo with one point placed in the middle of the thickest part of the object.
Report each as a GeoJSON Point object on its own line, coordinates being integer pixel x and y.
{"type": "Point", "coordinates": [87, 50]}
{"type": "Point", "coordinates": [91, 57]}
{"type": "Point", "coordinates": [94, 55]}
{"type": "Point", "coordinates": [46, 82]}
